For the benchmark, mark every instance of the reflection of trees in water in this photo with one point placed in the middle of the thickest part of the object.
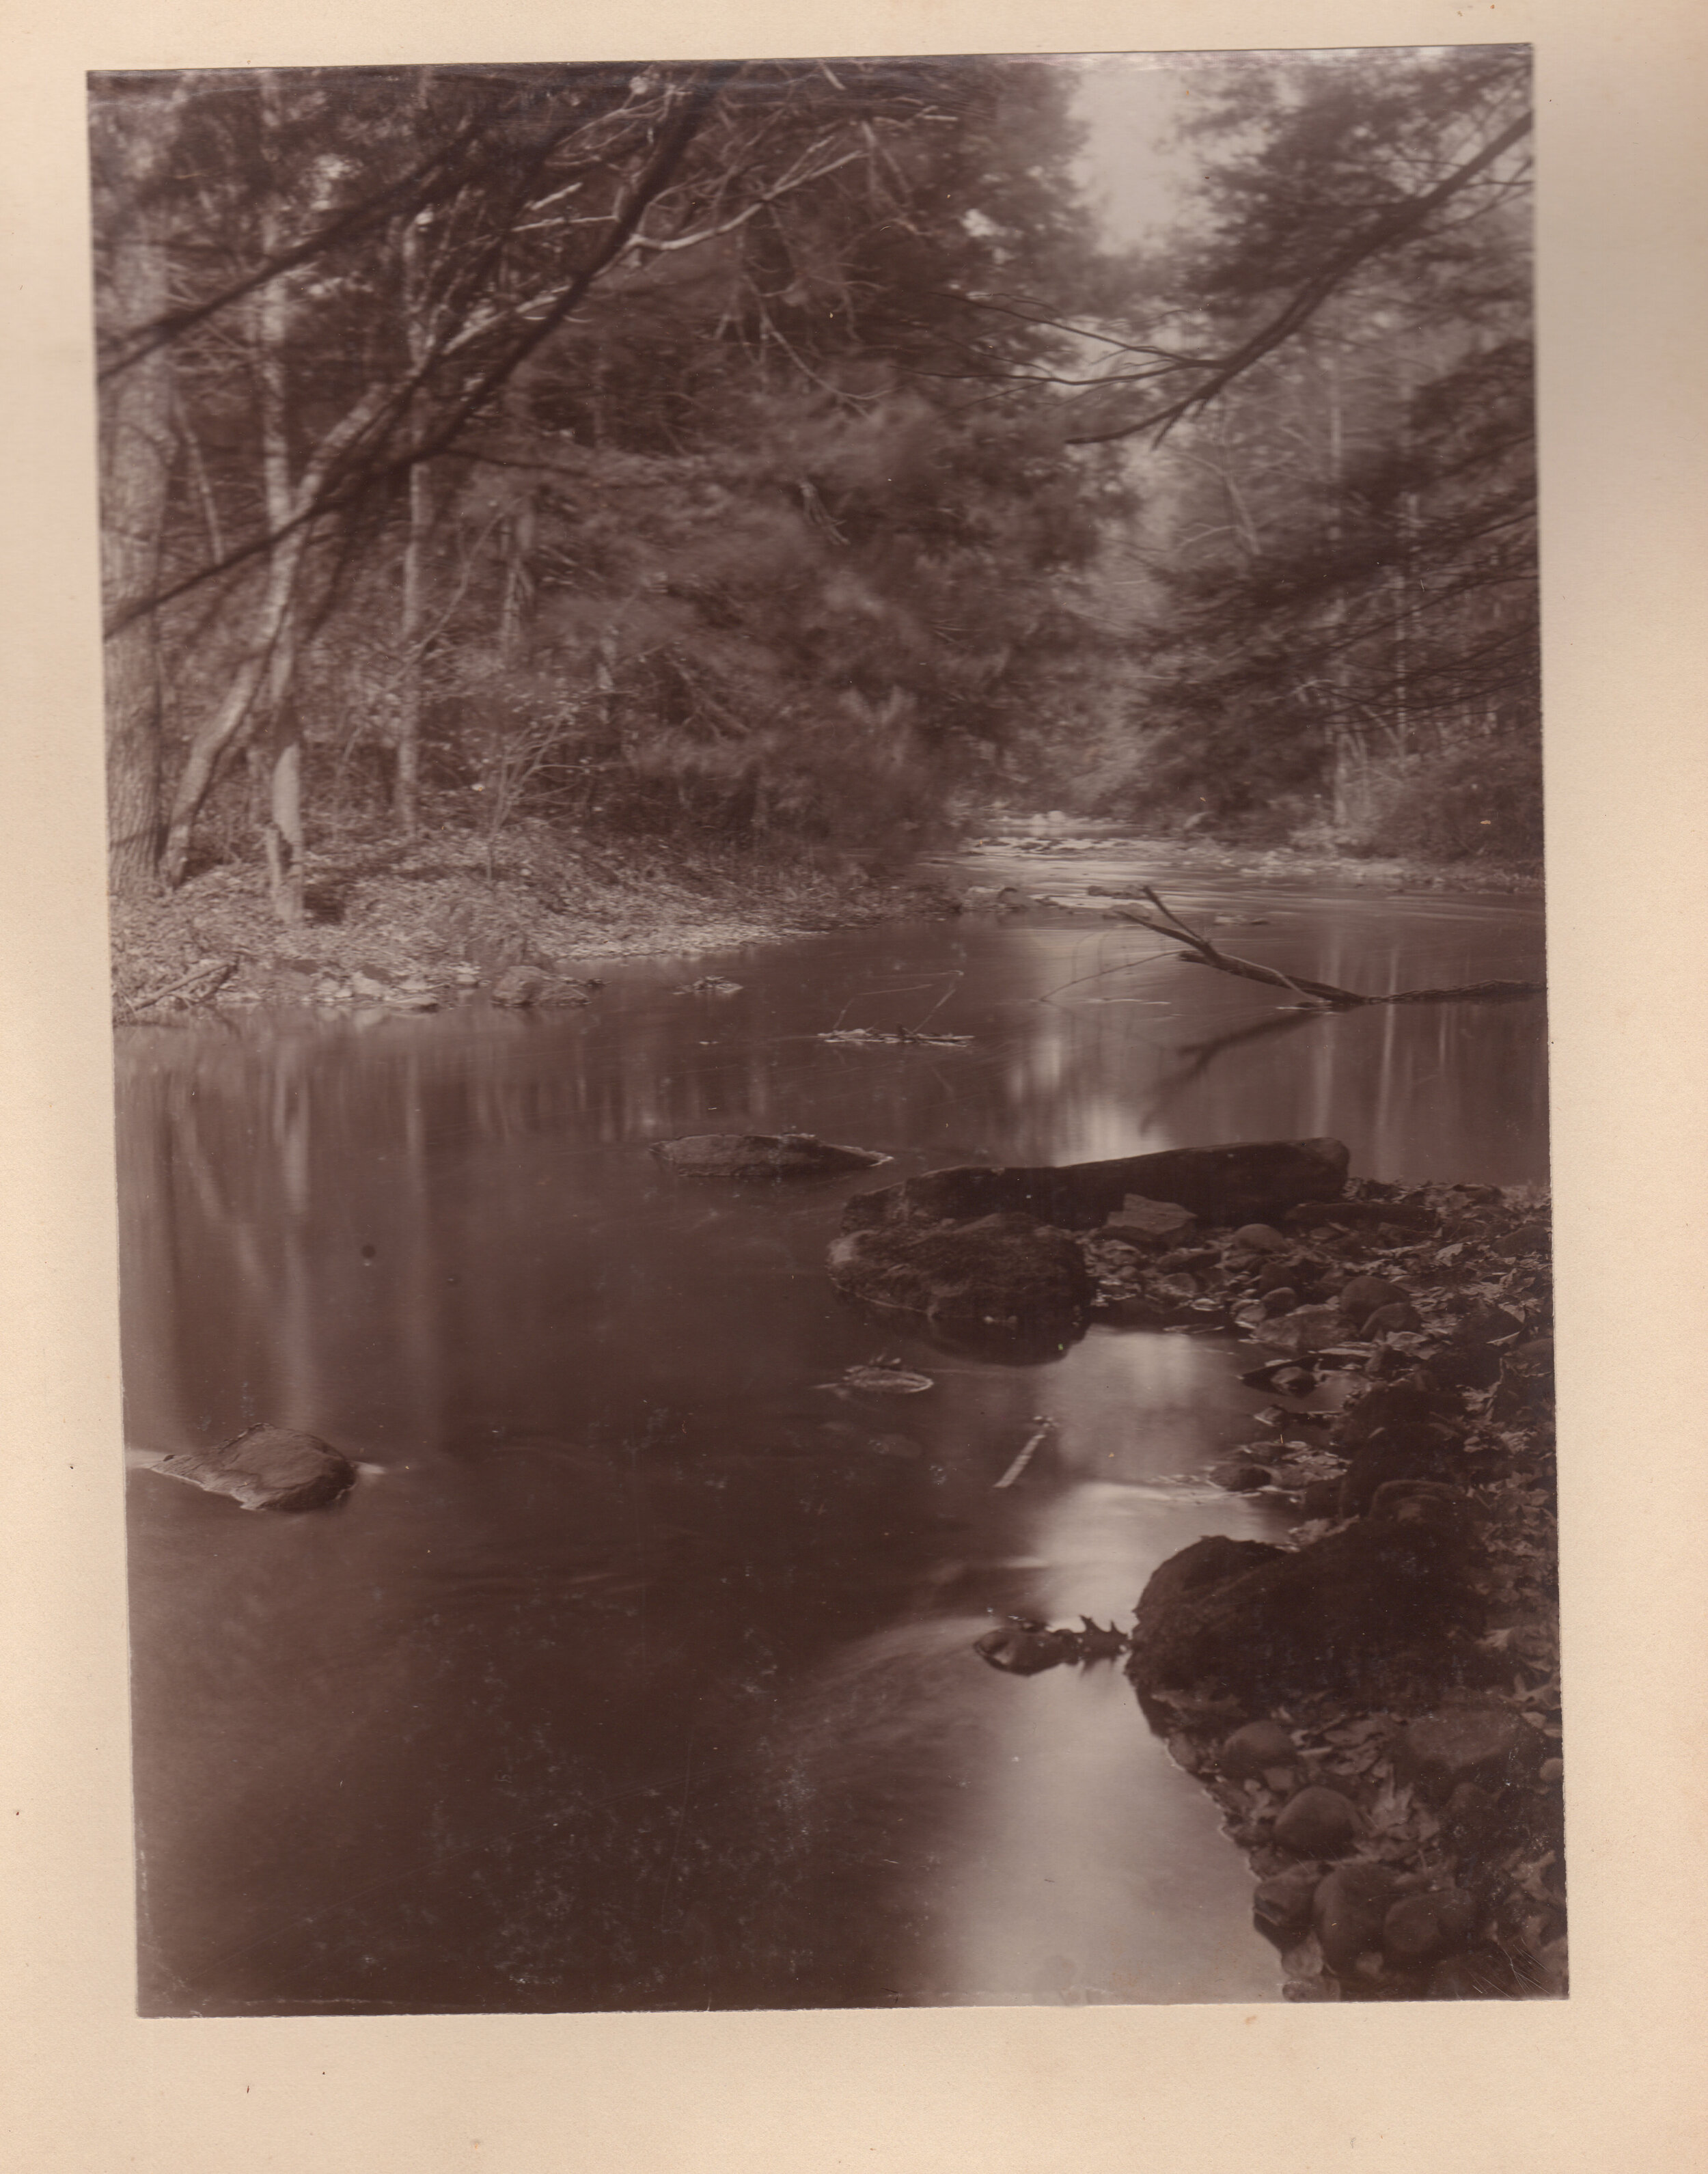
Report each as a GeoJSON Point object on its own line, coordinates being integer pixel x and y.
{"type": "Point", "coordinates": [1399, 1086]}
{"type": "Point", "coordinates": [261, 1158]}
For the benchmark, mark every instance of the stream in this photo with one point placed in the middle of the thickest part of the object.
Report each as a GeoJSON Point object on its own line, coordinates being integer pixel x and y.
{"type": "Point", "coordinates": [636, 1672]}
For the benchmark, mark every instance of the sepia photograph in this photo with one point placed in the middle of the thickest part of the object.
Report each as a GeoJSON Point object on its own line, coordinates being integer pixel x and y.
{"type": "Point", "coordinates": [825, 850]}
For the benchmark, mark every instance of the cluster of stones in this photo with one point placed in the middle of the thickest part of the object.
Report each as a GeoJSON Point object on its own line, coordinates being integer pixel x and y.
{"type": "Point", "coordinates": [1395, 1861]}
{"type": "Point", "coordinates": [1013, 1258]}
{"type": "Point", "coordinates": [1155, 1267]}
{"type": "Point", "coordinates": [1384, 1855]}
{"type": "Point", "coordinates": [1397, 1780]}
{"type": "Point", "coordinates": [411, 988]}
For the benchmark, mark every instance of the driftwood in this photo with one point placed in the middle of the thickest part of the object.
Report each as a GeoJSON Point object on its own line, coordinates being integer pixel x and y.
{"type": "Point", "coordinates": [195, 987]}
{"type": "Point", "coordinates": [1201, 952]}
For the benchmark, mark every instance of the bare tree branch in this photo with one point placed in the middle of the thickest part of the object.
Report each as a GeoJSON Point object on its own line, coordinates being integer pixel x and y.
{"type": "Point", "coordinates": [1396, 225]}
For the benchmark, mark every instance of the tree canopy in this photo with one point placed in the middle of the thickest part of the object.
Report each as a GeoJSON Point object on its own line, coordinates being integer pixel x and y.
{"type": "Point", "coordinates": [747, 446]}
{"type": "Point", "coordinates": [1340, 544]}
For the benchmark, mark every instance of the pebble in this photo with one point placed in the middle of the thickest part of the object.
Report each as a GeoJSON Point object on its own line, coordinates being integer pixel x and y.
{"type": "Point", "coordinates": [1261, 1238]}
{"type": "Point", "coordinates": [1160, 1221]}
{"type": "Point", "coordinates": [1482, 1975]}
{"type": "Point", "coordinates": [1281, 1906]}
{"type": "Point", "coordinates": [1239, 1476]}
{"type": "Point", "coordinates": [1256, 1747]}
{"type": "Point", "coordinates": [1349, 1911]}
{"type": "Point", "coordinates": [1318, 1822]}
{"type": "Point", "coordinates": [1420, 1928]}
{"type": "Point", "coordinates": [1306, 1328]}
{"type": "Point", "coordinates": [1477, 1743]}
{"type": "Point", "coordinates": [1388, 1319]}
{"type": "Point", "coordinates": [1527, 1238]}
{"type": "Point", "coordinates": [1365, 1294]}
{"type": "Point", "coordinates": [1292, 1381]}
{"type": "Point", "coordinates": [1469, 1816]}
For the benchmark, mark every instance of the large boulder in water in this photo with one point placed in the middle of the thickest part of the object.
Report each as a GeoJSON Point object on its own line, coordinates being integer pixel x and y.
{"type": "Point", "coordinates": [1255, 1623]}
{"type": "Point", "coordinates": [1002, 1283]}
{"type": "Point", "coordinates": [266, 1467]}
{"type": "Point", "coordinates": [758, 1156]}
{"type": "Point", "coordinates": [1249, 1182]}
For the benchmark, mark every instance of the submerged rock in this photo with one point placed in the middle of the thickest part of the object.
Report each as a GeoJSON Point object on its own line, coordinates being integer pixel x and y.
{"type": "Point", "coordinates": [1001, 1281]}
{"type": "Point", "coordinates": [1027, 1652]}
{"type": "Point", "coordinates": [266, 1467]}
{"type": "Point", "coordinates": [757, 1156]}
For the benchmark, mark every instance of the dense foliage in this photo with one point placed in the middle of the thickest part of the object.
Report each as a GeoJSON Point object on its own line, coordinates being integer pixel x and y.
{"type": "Point", "coordinates": [725, 451]}
{"type": "Point", "coordinates": [1340, 618]}
{"type": "Point", "coordinates": [637, 449]}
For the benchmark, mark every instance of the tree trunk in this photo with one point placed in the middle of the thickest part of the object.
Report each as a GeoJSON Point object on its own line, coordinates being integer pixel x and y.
{"type": "Point", "coordinates": [260, 690]}
{"type": "Point", "coordinates": [406, 785]}
{"type": "Point", "coordinates": [137, 460]}
{"type": "Point", "coordinates": [284, 831]}
{"type": "Point", "coordinates": [283, 836]}
{"type": "Point", "coordinates": [406, 788]}
{"type": "Point", "coordinates": [273, 631]}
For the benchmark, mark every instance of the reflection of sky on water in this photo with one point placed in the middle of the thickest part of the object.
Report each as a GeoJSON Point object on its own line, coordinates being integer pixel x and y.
{"type": "Point", "coordinates": [1087, 1868]}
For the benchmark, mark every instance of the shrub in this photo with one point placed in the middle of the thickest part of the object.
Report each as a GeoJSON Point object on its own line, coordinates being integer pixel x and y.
{"type": "Point", "coordinates": [1481, 802]}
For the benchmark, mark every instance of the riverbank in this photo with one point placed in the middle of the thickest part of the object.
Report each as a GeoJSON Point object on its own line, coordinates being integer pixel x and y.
{"type": "Point", "coordinates": [414, 923]}
{"type": "Point", "coordinates": [1374, 1703]}
{"type": "Point", "coordinates": [1296, 864]}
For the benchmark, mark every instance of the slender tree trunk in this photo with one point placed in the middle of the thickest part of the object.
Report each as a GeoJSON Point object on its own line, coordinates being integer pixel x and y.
{"type": "Point", "coordinates": [283, 835]}
{"type": "Point", "coordinates": [284, 831]}
{"type": "Point", "coordinates": [406, 788]}
{"type": "Point", "coordinates": [273, 629]}
{"type": "Point", "coordinates": [260, 689]}
{"type": "Point", "coordinates": [1400, 577]}
{"type": "Point", "coordinates": [407, 784]}
{"type": "Point", "coordinates": [1352, 796]}
{"type": "Point", "coordinates": [136, 461]}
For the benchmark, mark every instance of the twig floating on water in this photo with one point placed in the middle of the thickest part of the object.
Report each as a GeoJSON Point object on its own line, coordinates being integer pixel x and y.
{"type": "Point", "coordinates": [1044, 1428]}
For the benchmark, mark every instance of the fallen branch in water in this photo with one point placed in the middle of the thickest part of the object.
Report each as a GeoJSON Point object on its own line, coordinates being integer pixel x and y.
{"type": "Point", "coordinates": [195, 986]}
{"type": "Point", "coordinates": [1201, 952]}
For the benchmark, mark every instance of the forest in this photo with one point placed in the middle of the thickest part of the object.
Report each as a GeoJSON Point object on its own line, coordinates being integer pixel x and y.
{"type": "Point", "coordinates": [777, 456]}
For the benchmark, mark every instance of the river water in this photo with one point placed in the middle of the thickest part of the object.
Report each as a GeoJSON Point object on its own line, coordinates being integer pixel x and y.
{"type": "Point", "coordinates": [636, 1671]}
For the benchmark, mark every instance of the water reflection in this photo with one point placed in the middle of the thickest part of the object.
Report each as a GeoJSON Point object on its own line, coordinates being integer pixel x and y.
{"type": "Point", "coordinates": [640, 1673]}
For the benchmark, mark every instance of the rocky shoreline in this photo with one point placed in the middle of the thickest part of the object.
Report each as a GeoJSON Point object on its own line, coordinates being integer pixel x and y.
{"type": "Point", "coordinates": [1374, 1703]}
{"type": "Point", "coordinates": [423, 927]}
